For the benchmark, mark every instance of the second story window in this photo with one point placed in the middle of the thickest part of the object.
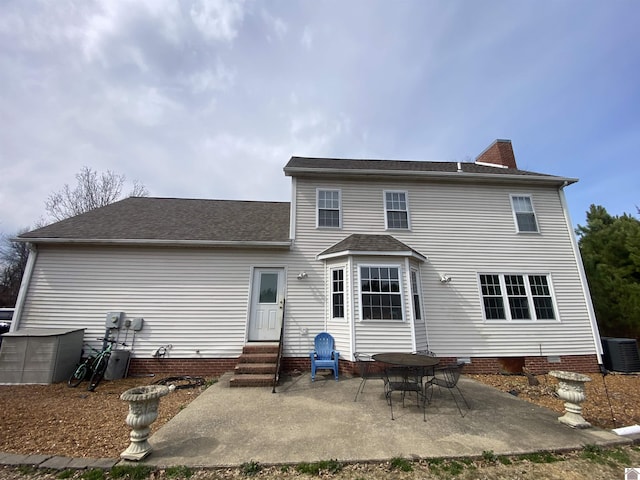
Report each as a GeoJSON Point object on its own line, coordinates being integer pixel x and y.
{"type": "Point", "coordinates": [396, 210]}
{"type": "Point", "coordinates": [524, 214]}
{"type": "Point", "coordinates": [329, 208]}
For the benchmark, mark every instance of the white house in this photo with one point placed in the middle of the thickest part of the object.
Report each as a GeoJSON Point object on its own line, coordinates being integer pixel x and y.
{"type": "Point", "coordinates": [476, 261]}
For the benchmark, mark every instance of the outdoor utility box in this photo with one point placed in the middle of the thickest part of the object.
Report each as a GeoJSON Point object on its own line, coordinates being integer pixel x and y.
{"type": "Point", "coordinates": [118, 363]}
{"type": "Point", "coordinates": [621, 354]}
{"type": "Point", "coordinates": [39, 355]}
{"type": "Point", "coordinates": [114, 319]}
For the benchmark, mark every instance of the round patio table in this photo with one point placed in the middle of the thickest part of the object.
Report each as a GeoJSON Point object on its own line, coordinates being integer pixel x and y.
{"type": "Point", "coordinates": [406, 359]}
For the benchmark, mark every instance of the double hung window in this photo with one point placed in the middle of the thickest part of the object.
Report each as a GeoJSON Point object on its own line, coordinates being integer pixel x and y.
{"type": "Point", "coordinates": [524, 214]}
{"type": "Point", "coordinates": [517, 297]}
{"type": "Point", "coordinates": [337, 293]}
{"type": "Point", "coordinates": [328, 203]}
{"type": "Point", "coordinates": [396, 210]}
{"type": "Point", "coordinates": [380, 294]}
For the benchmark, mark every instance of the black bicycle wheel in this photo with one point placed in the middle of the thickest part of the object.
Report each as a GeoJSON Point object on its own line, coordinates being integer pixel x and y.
{"type": "Point", "coordinates": [78, 375]}
{"type": "Point", "coordinates": [98, 372]}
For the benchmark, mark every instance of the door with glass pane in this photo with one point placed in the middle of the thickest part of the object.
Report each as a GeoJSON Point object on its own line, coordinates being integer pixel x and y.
{"type": "Point", "coordinates": [266, 304]}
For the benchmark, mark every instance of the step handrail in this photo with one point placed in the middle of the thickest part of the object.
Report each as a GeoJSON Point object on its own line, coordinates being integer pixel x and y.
{"type": "Point", "coordinates": [276, 376]}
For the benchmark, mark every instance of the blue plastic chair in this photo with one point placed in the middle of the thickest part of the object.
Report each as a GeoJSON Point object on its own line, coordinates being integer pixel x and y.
{"type": "Point", "coordinates": [324, 355]}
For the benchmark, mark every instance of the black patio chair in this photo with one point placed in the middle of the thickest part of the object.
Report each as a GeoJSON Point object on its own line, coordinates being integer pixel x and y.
{"type": "Point", "coordinates": [447, 377]}
{"type": "Point", "coordinates": [367, 370]}
{"type": "Point", "coordinates": [403, 380]}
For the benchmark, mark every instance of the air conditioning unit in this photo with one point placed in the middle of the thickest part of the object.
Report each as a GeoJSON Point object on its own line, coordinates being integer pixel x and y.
{"type": "Point", "coordinates": [621, 354]}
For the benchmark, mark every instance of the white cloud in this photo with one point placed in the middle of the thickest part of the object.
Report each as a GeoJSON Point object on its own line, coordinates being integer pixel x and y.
{"type": "Point", "coordinates": [275, 24]}
{"type": "Point", "coordinates": [218, 19]}
{"type": "Point", "coordinates": [307, 38]}
{"type": "Point", "coordinates": [211, 79]}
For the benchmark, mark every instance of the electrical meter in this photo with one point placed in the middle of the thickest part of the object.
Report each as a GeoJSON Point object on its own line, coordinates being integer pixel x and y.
{"type": "Point", "coordinates": [114, 319]}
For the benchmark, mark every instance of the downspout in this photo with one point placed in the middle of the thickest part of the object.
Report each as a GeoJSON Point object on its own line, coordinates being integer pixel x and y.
{"type": "Point", "coordinates": [349, 290]}
{"type": "Point", "coordinates": [583, 276]}
{"type": "Point", "coordinates": [24, 286]}
{"type": "Point", "coordinates": [292, 212]}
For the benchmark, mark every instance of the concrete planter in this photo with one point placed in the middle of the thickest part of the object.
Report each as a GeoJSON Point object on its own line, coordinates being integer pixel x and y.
{"type": "Point", "coordinates": [143, 411]}
{"type": "Point", "coordinates": [571, 390]}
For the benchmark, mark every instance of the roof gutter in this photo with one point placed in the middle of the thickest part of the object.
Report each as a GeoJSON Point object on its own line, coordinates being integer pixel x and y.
{"type": "Point", "coordinates": [342, 172]}
{"type": "Point", "coordinates": [156, 242]}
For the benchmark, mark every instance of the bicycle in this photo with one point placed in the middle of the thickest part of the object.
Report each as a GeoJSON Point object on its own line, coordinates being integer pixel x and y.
{"type": "Point", "coordinates": [93, 367]}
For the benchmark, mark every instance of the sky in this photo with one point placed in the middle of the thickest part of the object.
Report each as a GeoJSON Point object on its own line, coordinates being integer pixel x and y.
{"type": "Point", "coordinates": [210, 99]}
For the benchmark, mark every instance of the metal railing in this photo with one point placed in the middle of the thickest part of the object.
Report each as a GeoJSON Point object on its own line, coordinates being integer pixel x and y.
{"type": "Point", "coordinates": [276, 376]}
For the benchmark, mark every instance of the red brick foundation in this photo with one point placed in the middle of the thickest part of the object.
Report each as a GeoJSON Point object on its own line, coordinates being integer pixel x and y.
{"type": "Point", "coordinates": [214, 367]}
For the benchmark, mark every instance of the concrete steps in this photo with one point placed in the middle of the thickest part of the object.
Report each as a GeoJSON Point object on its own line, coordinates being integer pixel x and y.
{"type": "Point", "coordinates": [256, 366]}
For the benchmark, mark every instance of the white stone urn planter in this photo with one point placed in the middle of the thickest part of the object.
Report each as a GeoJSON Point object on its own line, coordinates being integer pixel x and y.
{"type": "Point", "coordinates": [143, 411]}
{"type": "Point", "coordinates": [571, 390]}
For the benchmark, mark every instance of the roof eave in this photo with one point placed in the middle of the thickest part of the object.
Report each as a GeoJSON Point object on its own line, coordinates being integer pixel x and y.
{"type": "Point", "coordinates": [347, 253]}
{"type": "Point", "coordinates": [157, 242]}
{"type": "Point", "coordinates": [466, 176]}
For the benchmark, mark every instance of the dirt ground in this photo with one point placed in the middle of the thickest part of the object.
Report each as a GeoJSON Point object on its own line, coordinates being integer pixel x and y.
{"type": "Point", "coordinates": [58, 420]}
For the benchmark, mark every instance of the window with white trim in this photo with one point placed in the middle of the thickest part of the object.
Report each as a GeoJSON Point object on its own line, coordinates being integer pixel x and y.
{"type": "Point", "coordinates": [524, 214]}
{"type": "Point", "coordinates": [328, 203]}
{"type": "Point", "coordinates": [415, 295]}
{"type": "Point", "coordinates": [396, 210]}
{"type": "Point", "coordinates": [337, 293]}
{"type": "Point", "coordinates": [380, 293]}
{"type": "Point", "coordinates": [517, 297]}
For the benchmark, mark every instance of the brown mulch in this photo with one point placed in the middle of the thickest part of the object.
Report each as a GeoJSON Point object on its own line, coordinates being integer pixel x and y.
{"type": "Point", "coordinates": [58, 420]}
{"type": "Point", "coordinates": [73, 422]}
{"type": "Point", "coordinates": [612, 401]}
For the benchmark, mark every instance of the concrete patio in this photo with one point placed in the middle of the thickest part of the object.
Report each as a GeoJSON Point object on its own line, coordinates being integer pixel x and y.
{"type": "Point", "coordinates": [307, 422]}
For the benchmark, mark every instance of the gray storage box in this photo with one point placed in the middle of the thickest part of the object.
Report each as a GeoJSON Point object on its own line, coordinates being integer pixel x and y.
{"type": "Point", "coordinates": [117, 367]}
{"type": "Point", "coordinates": [39, 355]}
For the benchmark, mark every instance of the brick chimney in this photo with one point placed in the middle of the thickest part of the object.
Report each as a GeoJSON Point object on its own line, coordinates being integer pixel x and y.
{"type": "Point", "coordinates": [499, 153]}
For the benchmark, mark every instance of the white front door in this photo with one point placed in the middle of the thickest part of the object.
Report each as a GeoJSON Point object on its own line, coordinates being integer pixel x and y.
{"type": "Point", "coordinates": [267, 302]}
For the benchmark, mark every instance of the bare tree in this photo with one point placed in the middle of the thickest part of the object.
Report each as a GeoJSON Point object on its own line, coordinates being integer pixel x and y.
{"type": "Point", "coordinates": [92, 191]}
{"type": "Point", "coordinates": [13, 260]}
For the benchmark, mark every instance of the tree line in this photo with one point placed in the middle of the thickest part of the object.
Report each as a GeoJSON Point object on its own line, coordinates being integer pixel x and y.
{"type": "Point", "coordinates": [610, 249]}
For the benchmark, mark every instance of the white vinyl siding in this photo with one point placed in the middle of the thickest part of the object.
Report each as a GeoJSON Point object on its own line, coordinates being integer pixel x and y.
{"type": "Point", "coordinates": [463, 228]}
{"type": "Point", "coordinates": [524, 214]}
{"type": "Point", "coordinates": [197, 300]}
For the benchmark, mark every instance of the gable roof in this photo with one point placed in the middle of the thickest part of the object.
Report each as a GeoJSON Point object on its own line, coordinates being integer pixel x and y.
{"type": "Point", "coordinates": [169, 221]}
{"type": "Point", "coordinates": [301, 166]}
{"type": "Point", "coordinates": [365, 244]}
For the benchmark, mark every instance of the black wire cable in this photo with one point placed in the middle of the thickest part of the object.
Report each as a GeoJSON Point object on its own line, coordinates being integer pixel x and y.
{"type": "Point", "coordinates": [605, 372]}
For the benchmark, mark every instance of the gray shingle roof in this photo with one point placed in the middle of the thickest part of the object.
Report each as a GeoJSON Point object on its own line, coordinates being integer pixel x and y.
{"type": "Point", "coordinates": [365, 243]}
{"type": "Point", "coordinates": [174, 220]}
{"type": "Point", "coordinates": [302, 165]}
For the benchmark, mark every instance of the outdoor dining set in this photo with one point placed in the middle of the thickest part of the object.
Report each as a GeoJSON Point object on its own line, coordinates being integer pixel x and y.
{"type": "Point", "coordinates": [406, 373]}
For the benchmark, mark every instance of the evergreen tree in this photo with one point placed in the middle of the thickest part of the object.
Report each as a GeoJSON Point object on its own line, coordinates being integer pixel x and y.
{"type": "Point", "coordinates": [610, 248]}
